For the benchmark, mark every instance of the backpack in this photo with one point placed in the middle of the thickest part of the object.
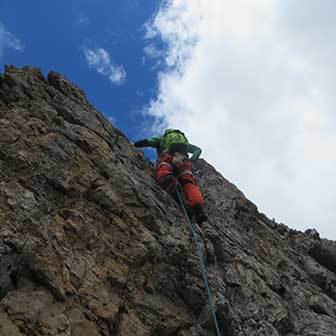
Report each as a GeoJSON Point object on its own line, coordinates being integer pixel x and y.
{"type": "Point", "coordinates": [174, 141]}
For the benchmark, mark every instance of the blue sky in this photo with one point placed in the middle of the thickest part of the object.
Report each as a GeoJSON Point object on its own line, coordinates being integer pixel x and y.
{"type": "Point", "coordinates": [55, 34]}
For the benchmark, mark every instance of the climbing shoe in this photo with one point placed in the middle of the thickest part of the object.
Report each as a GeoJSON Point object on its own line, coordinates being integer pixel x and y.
{"type": "Point", "coordinates": [200, 216]}
{"type": "Point", "coordinates": [169, 183]}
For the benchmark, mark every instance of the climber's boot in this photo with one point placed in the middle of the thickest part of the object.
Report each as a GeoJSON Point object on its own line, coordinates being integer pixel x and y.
{"type": "Point", "coordinates": [169, 183]}
{"type": "Point", "coordinates": [200, 216]}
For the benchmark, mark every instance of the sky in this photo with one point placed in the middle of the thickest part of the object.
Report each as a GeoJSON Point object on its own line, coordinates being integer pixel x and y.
{"type": "Point", "coordinates": [249, 81]}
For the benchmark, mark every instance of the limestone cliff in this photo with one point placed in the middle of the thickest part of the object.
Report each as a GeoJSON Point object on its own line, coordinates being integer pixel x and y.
{"type": "Point", "coordinates": [90, 245]}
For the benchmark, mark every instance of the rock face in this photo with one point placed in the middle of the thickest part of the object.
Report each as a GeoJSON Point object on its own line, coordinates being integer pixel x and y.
{"type": "Point", "coordinates": [91, 246]}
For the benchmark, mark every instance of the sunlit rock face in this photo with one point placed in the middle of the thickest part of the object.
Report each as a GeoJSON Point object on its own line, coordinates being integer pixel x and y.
{"type": "Point", "coordinates": [90, 245]}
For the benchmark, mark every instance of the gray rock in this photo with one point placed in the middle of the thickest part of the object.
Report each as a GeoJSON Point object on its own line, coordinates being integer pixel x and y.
{"type": "Point", "coordinates": [90, 245]}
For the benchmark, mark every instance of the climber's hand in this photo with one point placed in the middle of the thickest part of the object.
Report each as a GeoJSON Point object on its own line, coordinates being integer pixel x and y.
{"type": "Point", "coordinates": [141, 143]}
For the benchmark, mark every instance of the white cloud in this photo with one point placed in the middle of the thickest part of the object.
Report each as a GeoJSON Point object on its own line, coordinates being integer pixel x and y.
{"type": "Point", "coordinates": [82, 19]}
{"type": "Point", "coordinates": [252, 82]}
{"type": "Point", "coordinates": [8, 40]}
{"type": "Point", "coordinates": [100, 60]}
{"type": "Point", "coordinates": [153, 52]}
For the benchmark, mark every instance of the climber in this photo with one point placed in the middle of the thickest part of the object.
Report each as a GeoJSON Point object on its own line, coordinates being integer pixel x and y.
{"type": "Point", "coordinates": [173, 168]}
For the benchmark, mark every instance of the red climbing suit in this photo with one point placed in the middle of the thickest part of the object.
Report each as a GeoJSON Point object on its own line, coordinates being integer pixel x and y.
{"type": "Point", "coordinates": [168, 175]}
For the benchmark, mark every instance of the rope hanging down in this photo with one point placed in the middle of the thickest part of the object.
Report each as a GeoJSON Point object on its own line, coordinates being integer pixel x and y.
{"type": "Point", "coordinates": [200, 256]}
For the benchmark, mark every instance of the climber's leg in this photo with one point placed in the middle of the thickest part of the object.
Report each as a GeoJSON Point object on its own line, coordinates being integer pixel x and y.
{"type": "Point", "coordinates": [192, 192]}
{"type": "Point", "coordinates": [164, 174]}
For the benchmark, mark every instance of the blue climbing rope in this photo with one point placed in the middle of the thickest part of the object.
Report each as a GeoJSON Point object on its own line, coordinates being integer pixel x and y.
{"type": "Point", "coordinates": [200, 256]}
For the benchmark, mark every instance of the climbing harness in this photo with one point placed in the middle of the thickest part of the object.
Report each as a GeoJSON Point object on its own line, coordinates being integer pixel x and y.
{"type": "Point", "coordinates": [178, 159]}
{"type": "Point", "coordinates": [202, 265]}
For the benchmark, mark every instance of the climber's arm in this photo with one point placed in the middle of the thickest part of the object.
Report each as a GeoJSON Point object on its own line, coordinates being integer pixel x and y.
{"type": "Point", "coordinates": [150, 142]}
{"type": "Point", "coordinates": [195, 151]}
